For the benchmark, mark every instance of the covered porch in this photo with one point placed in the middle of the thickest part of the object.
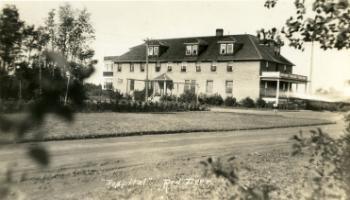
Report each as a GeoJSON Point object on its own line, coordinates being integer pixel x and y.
{"type": "Point", "coordinates": [162, 85]}
{"type": "Point", "coordinates": [277, 86]}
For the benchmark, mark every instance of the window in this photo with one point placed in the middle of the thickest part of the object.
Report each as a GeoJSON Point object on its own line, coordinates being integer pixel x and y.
{"type": "Point", "coordinates": [187, 85]}
{"type": "Point", "coordinates": [267, 64]}
{"type": "Point", "coordinates": [190, 85]}
{"type": "Point", "coordinates": [229, 86]}
{"type": "Point", "coordinates": [226, 48]}
{"type": "Point", "coordinates": [183, 68]}
{"type": "Point", "coordinates": [209, 86]}
{"type": "Point", "coordinates": [142, 67]}
{"type": "Point", "coordinates": [109, 67]}
{"type": "Point", "coordinates": [192, 50]}
{"type": "Point", "coordinates": [150, 51]}
{"type": "Point", "coordinates": [156, 51]}
{"type": "Point", "coordinates": [158, 67]}
{"type": "Point", "coordinates": [222, 48]}
{"type": "Point", "coordinates": [213, 68]}
{"type": "Point", "coordinates": [132, 84]}
{"type": "Point", "coordinates": [119, 67]}
{"type": "Point", "coordinates": [285, 68]}
{"type": "Point", "coordinates": [193, 86]}
{"type": "Point", "coordinates": [229, 68]}
{"type": "Point", "coordinates": [108, 84]}
{"type": "Point", "coordinates": [131, 67]}
{"type": "Point", "coordinates": [198, 68]}
{"type": "Point", "coordinates": [170, 68]}
{"type": "Point", "coordinates": [229, 48]}
{"type": "Point", "coordinates": [153, 51]}
{"type": "Point", "coordinates": [188, 50]}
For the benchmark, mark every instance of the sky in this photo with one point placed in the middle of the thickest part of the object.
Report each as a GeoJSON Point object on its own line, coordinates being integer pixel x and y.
{"type": "Point", "coordinates": [120, 25]}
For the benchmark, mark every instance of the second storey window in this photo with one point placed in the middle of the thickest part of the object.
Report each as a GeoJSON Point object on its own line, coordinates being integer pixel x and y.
{"type": "Point", "coordinates": [158, 67]}
{"type": "Point", "coordinates": [198, 68]}
{"type": "Point", "coordinates": [226, 48]}
{"type": "Point", "coordinates": [192, 50]}
{"type": "Point", "coordinates": [229, 68]}
{"type": "Point", "coordinates": [142, 67]}
{"type": "Point", "coordinates": [213, 68]}
{"type": "Point", "coordinates": [170, 68]}
{"type": "Point", "coordinates": [119, 67]}
{"type": "Point", "coordinates": [131, 67]}
{"type": "Point", "coordinates": [183, 68]}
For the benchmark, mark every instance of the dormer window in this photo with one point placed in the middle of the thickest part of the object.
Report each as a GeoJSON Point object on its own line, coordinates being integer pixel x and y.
{"type": "Point", "coordinates": [153, 50]}
{"type": "Point", "coordinates": [226, 48]}
{"type": "Point", "coordinates": [192, 50]}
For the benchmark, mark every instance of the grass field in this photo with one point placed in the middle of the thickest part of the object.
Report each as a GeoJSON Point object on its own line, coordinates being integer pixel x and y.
{"type": "Point", "coordinates": [95, 125]}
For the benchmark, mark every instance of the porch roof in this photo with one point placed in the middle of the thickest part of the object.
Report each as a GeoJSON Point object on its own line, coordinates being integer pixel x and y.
{"type": "Point", "coordinates": [274, 76]}
{"type": "Point", "coordinates": [162, 77]}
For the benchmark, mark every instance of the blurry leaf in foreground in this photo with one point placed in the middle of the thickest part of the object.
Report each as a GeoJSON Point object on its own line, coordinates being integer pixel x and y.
{"type": "Point", "coordinates": [39, 154]}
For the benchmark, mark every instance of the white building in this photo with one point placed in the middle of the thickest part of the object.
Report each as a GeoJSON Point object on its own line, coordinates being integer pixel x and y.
{"type": "Point", "coordinates": [230, 65]}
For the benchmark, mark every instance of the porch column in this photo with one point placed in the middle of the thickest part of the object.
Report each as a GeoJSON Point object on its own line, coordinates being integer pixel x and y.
{"type": "Point", "coordinates": [177, 91]}
{"type": "Point", "coordinates": [164, 87]}
{"type": "Point", "coordinates": [127, 86]}
{"type": "Point", "coordinates": [288, 89]}
{"type": "Point", "coordinates": [296, 87]}
{"type": "Point", "coordinates": [277, 92]}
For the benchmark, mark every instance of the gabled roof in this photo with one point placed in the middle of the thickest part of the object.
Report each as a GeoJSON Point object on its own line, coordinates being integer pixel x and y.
{"type": "Point", "coordinates": [247, 48]}
{"type": "Point", "coordinates": [162, 77]}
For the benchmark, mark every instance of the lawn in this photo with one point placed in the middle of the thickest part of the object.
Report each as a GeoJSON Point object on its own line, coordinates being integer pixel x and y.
{"type": "Point", "coordinates": [94, 125]}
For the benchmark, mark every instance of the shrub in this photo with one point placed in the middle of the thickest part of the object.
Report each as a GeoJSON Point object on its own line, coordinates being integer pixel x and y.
{"type": "Point", "coordinates": [168, 98]}
{"type": "Point", "coordinates": [260, 103]}
{"type": "Point", "coordinates": [188, 97]}
{"type": "Point", "coordinates": [247, 102]}
{"type": "Point", "coordinates": [139, 95]}
{"type": "Point", "coordinates": [230, 101]}
{"type": "Point", "coordinates": [215, 100]}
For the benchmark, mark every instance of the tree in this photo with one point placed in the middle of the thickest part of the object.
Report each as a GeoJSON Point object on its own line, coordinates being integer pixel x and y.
{"type": "Point", "coordinates": [326, 22]}
{"type": "Point", "coordinates": [50, 27]}
{"type": "Point", "coordinates": [11, 28]}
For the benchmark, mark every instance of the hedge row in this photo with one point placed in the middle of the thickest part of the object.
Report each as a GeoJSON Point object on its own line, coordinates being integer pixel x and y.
{"type": "Point", "coordinates": [137, 106]}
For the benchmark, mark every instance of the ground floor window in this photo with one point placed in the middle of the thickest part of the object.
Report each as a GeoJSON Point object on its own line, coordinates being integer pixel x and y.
{"type": "Point", "coordinates": [229, 86]}
{"type": "Point", "coordinates": [209, 86]}
{"type": "Point", "coordinates": [132, 85]}
{"type": "Point", "coordinates": [108, 84]}
{"type": "Point", "coordinates": [190, 85]}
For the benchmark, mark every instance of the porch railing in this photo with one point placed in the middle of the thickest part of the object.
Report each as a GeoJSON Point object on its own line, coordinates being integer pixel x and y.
{"type": "Point", "coordinates": [284, 75]}
{"type": "Point", "coordinates": [272, 93]}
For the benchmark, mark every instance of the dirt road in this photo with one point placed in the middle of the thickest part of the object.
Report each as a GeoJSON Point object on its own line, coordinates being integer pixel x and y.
{"type": "Point", "coordinates": [141, 156]}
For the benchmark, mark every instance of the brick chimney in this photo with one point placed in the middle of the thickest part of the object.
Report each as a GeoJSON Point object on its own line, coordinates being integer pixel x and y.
{"type": "Point", "coordinates": [219, 32]}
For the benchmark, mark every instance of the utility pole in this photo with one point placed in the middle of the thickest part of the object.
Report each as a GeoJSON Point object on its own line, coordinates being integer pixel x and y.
{"type": "Point", "coordinates": [146, 85]}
